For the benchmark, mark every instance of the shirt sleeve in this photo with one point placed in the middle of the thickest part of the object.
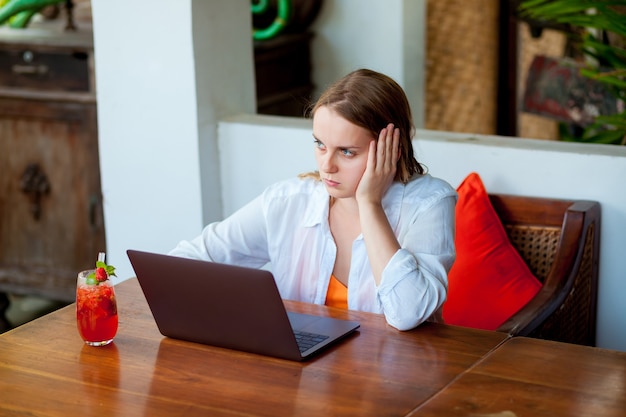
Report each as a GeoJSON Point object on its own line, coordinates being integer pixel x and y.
{"type": "Point", "coordinates": [414, 283]}
{"type": "Point", "coordinates": [239, 239]}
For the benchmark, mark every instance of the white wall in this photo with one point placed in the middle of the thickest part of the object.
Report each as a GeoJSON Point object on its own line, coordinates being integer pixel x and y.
{"type": "Point", "coordinates": [386, 36]}
{"type": "Point", "coordinates": [168, 72]}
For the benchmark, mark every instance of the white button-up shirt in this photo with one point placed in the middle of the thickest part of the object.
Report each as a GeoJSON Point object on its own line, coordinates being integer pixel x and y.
{"type": "Point", "coordinates": [287, 226]}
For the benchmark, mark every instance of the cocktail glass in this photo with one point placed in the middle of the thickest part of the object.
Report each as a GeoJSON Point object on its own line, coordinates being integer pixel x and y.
{"type": "Point", "coordinates": [96, 310]}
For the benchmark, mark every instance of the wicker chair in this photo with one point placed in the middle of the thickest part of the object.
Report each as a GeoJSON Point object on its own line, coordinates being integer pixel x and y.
{"type": "Point", "coordinates": [559, 240]}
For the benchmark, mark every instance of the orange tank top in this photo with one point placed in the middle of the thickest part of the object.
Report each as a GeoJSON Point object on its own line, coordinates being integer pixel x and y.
{"type": "Point", "coordinates": [337, 295]}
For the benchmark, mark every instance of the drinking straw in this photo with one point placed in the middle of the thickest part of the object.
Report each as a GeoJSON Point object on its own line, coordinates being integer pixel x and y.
{"type": "Point", "coordinates": [101, 257]}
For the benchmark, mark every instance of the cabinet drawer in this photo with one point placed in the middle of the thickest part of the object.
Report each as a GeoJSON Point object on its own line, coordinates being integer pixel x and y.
{"type": "Point", "coordinates": [45, 71]}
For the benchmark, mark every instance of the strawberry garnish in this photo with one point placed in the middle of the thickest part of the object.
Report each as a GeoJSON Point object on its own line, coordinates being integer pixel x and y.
{"type": "Point", "coordinates": [102, 271]}
{"type": "Point", "coordinates": [101, 274]}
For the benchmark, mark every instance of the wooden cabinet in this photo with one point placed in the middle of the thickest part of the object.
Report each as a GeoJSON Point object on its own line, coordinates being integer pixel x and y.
{"type": "Point", "coordinates": [51, 221]}
{"type": "Point", "coordinates": [283, 74]}
{"type": "Point", "coordinates": [283, 63]}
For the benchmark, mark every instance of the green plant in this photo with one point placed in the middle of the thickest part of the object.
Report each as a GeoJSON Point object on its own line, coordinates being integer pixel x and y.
{"type": "Point", "coordinates": [597, 31]}
{"type": "Point", "coordinates": [18, 13]}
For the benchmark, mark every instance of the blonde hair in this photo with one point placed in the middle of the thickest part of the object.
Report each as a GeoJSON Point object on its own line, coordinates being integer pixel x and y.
{"type": "Point", "coordinates": [372, 100]}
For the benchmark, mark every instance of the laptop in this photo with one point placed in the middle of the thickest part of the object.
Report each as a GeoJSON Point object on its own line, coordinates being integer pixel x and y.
{"type": "Point", "coordinates": [230, 307]}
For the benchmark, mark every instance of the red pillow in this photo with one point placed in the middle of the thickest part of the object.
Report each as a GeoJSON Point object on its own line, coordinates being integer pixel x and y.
{"type": "Point", "coordinates": [489, 282]}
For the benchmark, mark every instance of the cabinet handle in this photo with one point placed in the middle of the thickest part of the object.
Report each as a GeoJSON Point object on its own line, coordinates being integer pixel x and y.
{"type": "Point", "coordinates": [34, 183]}
{"type": "Point", "coordinates": [29, 69]}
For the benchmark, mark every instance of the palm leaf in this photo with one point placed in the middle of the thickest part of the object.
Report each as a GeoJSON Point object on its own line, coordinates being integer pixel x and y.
{"type": "Point", "coordinates": [582, 15]}
{"type": "Point", "coordinates": [576, 13]}
{"type": "Point", "coordinates": [607, 137]}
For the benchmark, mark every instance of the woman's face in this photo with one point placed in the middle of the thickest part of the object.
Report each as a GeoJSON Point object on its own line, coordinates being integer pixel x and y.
{"type": "Point", "coordinates": [340, 151]}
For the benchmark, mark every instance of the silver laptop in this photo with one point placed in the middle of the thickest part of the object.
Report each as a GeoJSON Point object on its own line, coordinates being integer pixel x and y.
{"type": "Point", "coordinates": [229, 306]}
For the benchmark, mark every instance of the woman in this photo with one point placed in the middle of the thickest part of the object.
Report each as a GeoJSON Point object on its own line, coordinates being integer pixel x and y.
{"type": "Point", "coordinates": [370, 230]}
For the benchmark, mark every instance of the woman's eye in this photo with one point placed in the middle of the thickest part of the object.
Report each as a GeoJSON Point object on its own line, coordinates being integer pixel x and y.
{"type": "Point", "coordinates": [318, 144]}
{"type": "Point", "coordinates": [347, 152]}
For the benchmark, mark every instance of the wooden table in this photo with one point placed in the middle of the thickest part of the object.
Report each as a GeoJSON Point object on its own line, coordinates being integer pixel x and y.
{"type": "Point", "coordinates": [531, 377]}
{"type": "Point", "coordinates": [46, 369]}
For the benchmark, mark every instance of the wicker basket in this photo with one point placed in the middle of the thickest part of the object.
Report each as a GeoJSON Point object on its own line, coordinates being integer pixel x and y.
{"type": "Point", "coordinates": [461, 68]}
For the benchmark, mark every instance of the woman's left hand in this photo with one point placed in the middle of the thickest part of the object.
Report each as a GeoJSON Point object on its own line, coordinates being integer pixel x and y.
{"type": "Point", "coordinates": [381, 166]}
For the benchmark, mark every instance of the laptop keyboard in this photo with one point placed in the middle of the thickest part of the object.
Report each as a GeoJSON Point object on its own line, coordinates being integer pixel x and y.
{"type": "Point", "coordinates": [307, 340]}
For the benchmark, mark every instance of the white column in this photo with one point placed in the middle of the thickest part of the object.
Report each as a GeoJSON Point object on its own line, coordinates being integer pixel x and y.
{"type": "Point", "coordinates": [386, 36]}
{"type": "Point", "coordinates": [166, 71]}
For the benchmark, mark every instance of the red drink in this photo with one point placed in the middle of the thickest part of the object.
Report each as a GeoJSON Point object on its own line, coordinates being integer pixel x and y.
{"type": "Point", "coordinates": [96, 311]}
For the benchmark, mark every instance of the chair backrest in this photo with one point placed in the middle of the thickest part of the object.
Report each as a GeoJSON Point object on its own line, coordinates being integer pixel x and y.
{"type": "Point", "coordinates": [534, 228]}
{"type": "Point", "coordinates": [559, 240]}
